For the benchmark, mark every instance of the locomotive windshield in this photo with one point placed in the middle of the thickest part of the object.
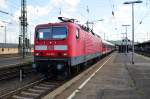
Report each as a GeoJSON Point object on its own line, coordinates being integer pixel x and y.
{"type": "Point", "coordinates": [52, 33]}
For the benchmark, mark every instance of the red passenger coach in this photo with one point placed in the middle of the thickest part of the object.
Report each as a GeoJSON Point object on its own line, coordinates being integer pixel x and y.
{"type": "Point", "coordinates": [107, 47]}
{"type": "Point", "coordinates": [60, 47]}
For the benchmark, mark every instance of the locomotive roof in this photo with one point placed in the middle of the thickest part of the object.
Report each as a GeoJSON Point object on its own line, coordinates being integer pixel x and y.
{"type": "Point", "coordinates": [65, 21]}
{"type": "Point", "coordinates": [47, 24]}
{"type": "Point", "coordinates": [73, 23]}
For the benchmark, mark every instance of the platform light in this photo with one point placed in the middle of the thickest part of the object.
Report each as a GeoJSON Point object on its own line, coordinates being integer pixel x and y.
{"type": "Point", "coordinates": [133, 2]}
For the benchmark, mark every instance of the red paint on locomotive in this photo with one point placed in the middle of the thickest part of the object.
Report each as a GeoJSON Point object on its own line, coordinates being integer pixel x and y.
{"type": "Point", "coordinates": [73, 47]}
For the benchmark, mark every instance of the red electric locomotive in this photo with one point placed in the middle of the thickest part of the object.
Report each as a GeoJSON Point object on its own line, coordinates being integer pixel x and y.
{"type": "Point", "coordinates": [60, 47]}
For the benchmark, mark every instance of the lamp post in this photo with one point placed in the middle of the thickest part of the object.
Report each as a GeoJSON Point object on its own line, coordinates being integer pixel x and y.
{"type": "Point", "coordinates": [126, 37]}
{"type": "Point", "coordinates": [133, 2]}
{"type": "Point", "coordinates": [5, 29]}
{"type": "Point", "coordinates": [4, 35]}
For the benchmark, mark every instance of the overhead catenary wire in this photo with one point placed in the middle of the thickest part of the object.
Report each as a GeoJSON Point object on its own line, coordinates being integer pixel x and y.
{"type": "Point", "coordinates": [147, 13]}
{"type": "Point", "coordinates": [4, 12]}
{"type": "Point", "coordinates": [13, 6]}
{"type": "Point", "coordinates": [147, 3]}
{"type": "Point", "coordinates": [112, 5]}
{"type": "Point", "coordinates": [9, 10]}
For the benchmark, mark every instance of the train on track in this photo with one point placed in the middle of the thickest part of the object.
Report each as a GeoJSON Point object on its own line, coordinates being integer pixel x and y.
{"type": "Point", "coordinates": [60, 48]}
{"type": "Point", "coordinates": [143, 48]}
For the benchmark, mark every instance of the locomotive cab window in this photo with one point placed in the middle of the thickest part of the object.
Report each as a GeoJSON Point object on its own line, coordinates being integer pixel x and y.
{"type": "Point", "coordinates": [77, 33]}
{"type": "Point", "coordinates": [59, 32]}
{"type": "Point", "coordinates": [44, 33]}
{"type": "Point", "coordinates": [52, 33]}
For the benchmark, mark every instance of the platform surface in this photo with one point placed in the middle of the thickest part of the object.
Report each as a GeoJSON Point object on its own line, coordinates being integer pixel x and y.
{"type": "Point", "coordinates": [119, 79]}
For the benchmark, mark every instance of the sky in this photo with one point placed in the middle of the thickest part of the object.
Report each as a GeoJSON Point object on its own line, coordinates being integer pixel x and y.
{"type": "Point", "coordinates": [46, 11]}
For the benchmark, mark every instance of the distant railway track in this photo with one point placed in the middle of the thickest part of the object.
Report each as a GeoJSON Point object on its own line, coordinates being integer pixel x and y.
{"type": "Point", "coordinates": [13, 57]}
{"type": "Point", "coordinates": [11, 72]}
{"type": "Point", "coordinates": [8, 55]}
{"type": "Point", "coordinates": [144, 53]}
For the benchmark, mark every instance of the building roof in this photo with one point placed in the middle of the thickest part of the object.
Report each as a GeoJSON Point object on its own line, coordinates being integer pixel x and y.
{"type": "Point", "coordinates": [121, 42]}
{"type": "Point", "coordinates": [8, 45]}
{"type": "Point", "coordinates": [143, 43]}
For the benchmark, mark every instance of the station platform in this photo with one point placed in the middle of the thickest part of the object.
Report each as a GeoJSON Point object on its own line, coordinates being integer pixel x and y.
{"type": "Point", "coordinates": [119, 79]}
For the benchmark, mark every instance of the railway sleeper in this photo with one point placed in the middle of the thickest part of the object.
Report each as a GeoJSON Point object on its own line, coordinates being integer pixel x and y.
{"type": "Point", "coordinates": [29, 93]}
{"type": "Point", "coordinates": [47, 85]}
{"type": "Point", "coordinates": [41, 87]}
{"type": "Point", "coordinates": [36, 90]}
{"type": "Point", "coordinates": [23, 96]}
{"type": "Point", "coordinates": [20, 97]}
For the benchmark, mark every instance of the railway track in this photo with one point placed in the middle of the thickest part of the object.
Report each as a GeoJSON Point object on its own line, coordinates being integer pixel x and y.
{"type": "Point", "coordinates": [34, 90]}
{"type": "Point", "coordinates": [144, 53]}
{"type": "Point", "coordinates": [17, 57]}
{"type": "Point", "coordinates": [8, 73]}
{"type": "Point", "coordinates": [9, 56]}
{"type": "Point", "coordinates": [37, 89]}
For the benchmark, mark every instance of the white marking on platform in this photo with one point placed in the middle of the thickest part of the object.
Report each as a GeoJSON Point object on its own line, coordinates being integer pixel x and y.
{"type": "Point", "coordinates": [85, 82]}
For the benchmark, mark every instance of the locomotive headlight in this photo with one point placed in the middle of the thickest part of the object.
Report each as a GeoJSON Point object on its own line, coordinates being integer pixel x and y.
{"type": "Point", "coordinates": [37, 54]}
{"type": "Point", "coordinates": [65, 54]}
